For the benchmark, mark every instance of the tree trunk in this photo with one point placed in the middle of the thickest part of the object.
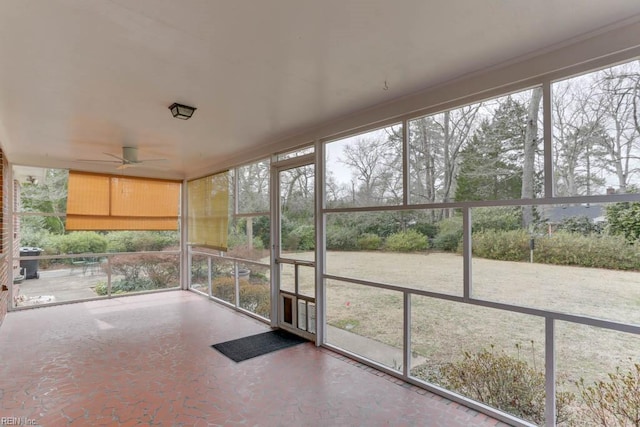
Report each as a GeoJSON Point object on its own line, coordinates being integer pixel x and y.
{"type": "Point", "coordinates": [530, 145]}
{"type": "Point", "coordinates": [447, 162]}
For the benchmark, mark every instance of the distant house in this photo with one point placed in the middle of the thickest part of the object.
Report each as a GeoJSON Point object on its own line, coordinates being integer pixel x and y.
{"type": "Point", "coordinates": [554, 215]}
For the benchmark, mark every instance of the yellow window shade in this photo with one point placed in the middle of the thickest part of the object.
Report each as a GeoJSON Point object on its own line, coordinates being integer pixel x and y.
{"type": "Point", "coordinates": [208, 211]}
{"type": "Point", "coordinates": [109, 202]}
{"type": "Point", "coordinates": [134, 197]}
{"type": "Point", "coordinates": [88, 194]}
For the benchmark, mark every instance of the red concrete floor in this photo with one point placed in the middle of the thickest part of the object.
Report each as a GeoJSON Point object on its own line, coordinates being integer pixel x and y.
{"type": "Point", "coordinates": [146, 360]}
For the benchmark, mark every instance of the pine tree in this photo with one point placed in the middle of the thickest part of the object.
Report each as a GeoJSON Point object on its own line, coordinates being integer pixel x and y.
{"type": "Point", "coordinates": [491, 167]}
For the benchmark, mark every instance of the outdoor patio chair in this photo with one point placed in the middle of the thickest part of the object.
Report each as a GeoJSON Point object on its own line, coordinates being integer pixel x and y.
{"type": "Point", "coordinates": [89, 264]}
{"type": "Point", "coordinates": [77, 263]}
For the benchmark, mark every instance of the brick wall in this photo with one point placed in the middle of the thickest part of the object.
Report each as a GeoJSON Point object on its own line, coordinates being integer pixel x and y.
{"type": "Point", "coordinates": [16, 228]}
{"type": "Point", "coordinates": [4, 304]}
{"type": "Point", "coordinates": [4, 239]}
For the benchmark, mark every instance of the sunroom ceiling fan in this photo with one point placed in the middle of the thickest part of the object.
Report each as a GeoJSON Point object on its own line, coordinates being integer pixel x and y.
{"type": "Point", "coordinates": [128, 159]}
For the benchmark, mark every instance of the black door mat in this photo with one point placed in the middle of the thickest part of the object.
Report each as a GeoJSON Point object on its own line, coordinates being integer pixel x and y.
{"type": "Point", "coordinates": [257, 345]}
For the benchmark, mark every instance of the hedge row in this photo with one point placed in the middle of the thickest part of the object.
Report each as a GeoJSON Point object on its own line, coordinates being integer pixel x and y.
{"type": "Point", "coordinates": [345, 239]}
{"type": "Point", "coordinates": [116, 241]}
{"type": "Point", "coordinates": [560, 248]}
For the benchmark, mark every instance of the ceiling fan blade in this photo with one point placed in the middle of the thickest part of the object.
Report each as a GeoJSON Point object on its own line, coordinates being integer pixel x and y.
{"type": "Point", "coordinates": [122, 159]}
{"type": "Point", "coordinates": [97, 161]}
{"type": "Point", "coordinates": [129, 158]}
{"type": "Point", "coordinates": [153, 160]}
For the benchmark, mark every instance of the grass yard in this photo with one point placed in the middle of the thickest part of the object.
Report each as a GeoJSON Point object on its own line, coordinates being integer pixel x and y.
{"type": "Point", "coordinates": [443, 330]}
{"type": "Point", "coordinates": [369, 321]}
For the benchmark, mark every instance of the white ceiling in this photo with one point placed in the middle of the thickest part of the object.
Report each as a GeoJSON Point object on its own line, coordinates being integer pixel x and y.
{"type": "Point", "coordinates": [81, 78]}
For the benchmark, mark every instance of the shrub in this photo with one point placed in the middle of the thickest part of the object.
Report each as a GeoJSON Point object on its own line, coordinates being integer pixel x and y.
{"type": "Point", "coordinates": [33, 233]}
{"type": "Point", "coordinates": [427, 228]}
{"type": "Point", "coordinates": [503, 382]}
{"type": "Point", "coordinates": [224, 288]}
{"type": "Point", "coordinates": [450, 225]}
{"type": "Point", "coordinates": [301, 238]}
{"type": "Point", "coordinates": [449, 234]}
{"type": "Point", "coordinates": [101, 288]}
{"type": "Point", "coordinates": [612, 252]}
{"type": "Point", "coordinates": [342, 238]}
{"type": "Point", "coordinates": [123, 287]}
{"type": "Point", "coordinates": [144, 272]}
{"type": "Point", "coordinates": [260, 229]}
{"type": "Point", "coordinates": [138, 241]}
{"type": "Point", "coordinates": [502, 218]}
{"type": "Point", "coordinates": [407, 241]}
{"type": "Point", "coordinates": [613, 402]}
{"type": "Point", "coordinates": [448, 242]}
{"type": "Point", "coordinates": [579, 224]}
{"type": "Point", "coordinates": [369, 242]}
{"type": "Point", "coordinates": [624, 219]}
{"type": "Point", "coordinates": [78, 242]}
{"type": "Point", "coordinates": [254, 297]}
{"type": "Point", "coordinates": [502, 245]}
{"type": "Point", "coordinates": [379, 223]}
{"type": "Point", "coordinates": [235, 240]}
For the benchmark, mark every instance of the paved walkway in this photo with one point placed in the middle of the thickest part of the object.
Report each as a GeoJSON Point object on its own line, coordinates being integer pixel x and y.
{"type": "Point", "coordinates": [67, 284]}
{"type": "Point", "coordinates": [147, 360]}
{"type": "Point", "coordinates": [376, 351]}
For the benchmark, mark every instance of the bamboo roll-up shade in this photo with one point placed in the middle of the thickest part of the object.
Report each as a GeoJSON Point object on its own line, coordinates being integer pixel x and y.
{"type": "Point", "coordinates": [208, 211]}
{"type": "Point", "coordinates": [109, 202]}
{"type": "Point", "coordinates": [88, 194]}
{"type": "Point", "coordinates": [134, 197]}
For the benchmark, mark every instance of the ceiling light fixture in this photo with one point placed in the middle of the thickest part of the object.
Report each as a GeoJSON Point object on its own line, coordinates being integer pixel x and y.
{"type": "Point", "coordinates": [182, 112]}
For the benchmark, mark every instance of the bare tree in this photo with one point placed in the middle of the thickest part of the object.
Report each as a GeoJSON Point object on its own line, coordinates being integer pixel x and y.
{"type": "Point", "coordinates": [620, 105]}
{"type": "Point", "coordinates": [253, 187]}
{"type": "Point", "coordinates": [297, 190]}
{"type": "Point", "coordinates": [596, 130]}
{"type": "Point", "coordinates": [335, 191]}
{"type": "Point", "coordinates": [577, 124]}
{"type": "Point", "coordinates": [529, 157]}
{"type": "Point", "coordinates": [376, 168]}
{"type": "Point", "coordinates": [435, 147]}
{"type": "Point", "coordinates": [425, 150]}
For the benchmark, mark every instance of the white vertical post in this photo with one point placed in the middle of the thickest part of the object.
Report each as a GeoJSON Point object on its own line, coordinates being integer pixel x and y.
{"type": "Point", "coordinates": [320, 222]}
{"type": "Point", "coordinates": [184, 224]}
{"type": "Point", "coordinates": [188, 266]}
{"type": "Point", "coordinates": [406, 362]}
{"type": "Point", "coordinates": [109, 276]}
{"type": "Point", "coordinates": [550, 373]}
{"type": "Point", "coordinates": [10, 186]}
{"type": "Point", "coordinates": [466, 251]}
{"type": "Point", "coordinates": [405, 162]}
{"type": "Point", "coordinates": [547, 135]}
{"type": "Point", "coordinates": [275, 243]}
{"type": "Point", "coordinates": [209, 276]}
{"type": "Point", "coordinates": [236, 280]}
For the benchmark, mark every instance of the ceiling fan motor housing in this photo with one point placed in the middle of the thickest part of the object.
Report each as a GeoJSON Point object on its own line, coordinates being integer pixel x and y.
{"type": "Point", "coordinates": [130, 154]}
